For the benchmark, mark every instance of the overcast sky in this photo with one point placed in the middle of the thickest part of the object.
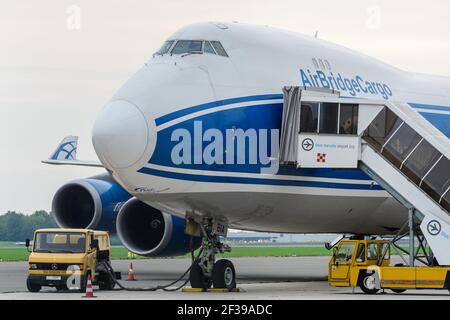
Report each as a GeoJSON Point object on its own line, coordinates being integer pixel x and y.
{"type": "Point", "coordinates": [60, 61]}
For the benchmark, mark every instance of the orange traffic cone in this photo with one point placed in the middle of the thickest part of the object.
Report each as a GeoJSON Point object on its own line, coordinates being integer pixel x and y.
{"type": "Point", "coordinates": [89, 291]}
{"type": "Point", "coordinates": [131, 273]}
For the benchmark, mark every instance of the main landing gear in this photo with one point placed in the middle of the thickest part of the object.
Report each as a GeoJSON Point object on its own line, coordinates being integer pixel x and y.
{"type": "Point", "coordinates": [206, 271]}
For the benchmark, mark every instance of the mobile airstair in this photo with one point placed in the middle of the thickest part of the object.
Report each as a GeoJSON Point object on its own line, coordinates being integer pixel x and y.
{"type": "Point", "coordinates": [389, 141]}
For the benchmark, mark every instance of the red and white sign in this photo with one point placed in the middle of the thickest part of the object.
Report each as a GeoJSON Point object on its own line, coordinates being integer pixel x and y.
{"type": "Point", "coordinates": [321, 157]}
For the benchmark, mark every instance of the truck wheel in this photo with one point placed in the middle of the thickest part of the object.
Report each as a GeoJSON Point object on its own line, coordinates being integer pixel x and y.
{"type": "Point", "coordinates": [33, 287]}
{"type": "Point", "coordinates": [197, 278]}
{"type": "Point", "coordinates": [105, 282]}
{"type": "Point", "coordinates": [224, 275]}
{"type": "Point", "coordinates": [367, 284]}
{"type": "Point", "coordinates": [398, 290]}
{"type": "Point", "coordinates": [83, 283]}
{"type": "Point", "coordinates": [61, 287]}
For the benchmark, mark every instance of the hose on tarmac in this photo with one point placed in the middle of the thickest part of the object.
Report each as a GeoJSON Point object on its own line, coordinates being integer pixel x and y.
{"type": "Point", "coordinates": [166, 287]}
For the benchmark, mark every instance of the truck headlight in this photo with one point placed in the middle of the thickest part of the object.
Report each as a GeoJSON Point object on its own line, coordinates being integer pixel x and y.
{"type": "Point", "coordinates": [33, 266]}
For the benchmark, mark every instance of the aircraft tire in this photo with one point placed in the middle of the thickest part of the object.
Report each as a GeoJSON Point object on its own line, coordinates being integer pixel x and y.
{"type": "Point", "coordinates": [224, 275]}
{"type": "Point", "coordinates": [197, 278]}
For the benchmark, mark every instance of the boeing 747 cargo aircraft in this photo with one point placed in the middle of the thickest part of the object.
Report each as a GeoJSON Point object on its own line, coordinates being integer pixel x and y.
{"type": "Point", "coordinates": [208, 130]}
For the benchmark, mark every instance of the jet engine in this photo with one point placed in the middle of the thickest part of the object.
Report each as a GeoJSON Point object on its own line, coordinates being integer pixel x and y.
{"type": "Point", "coordinates": [149, 232]}
{"type": "Point", "coordinates": [89, 203]}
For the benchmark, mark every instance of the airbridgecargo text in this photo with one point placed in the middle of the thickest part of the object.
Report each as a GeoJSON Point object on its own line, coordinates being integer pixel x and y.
{"type": "Point", "coordinates": [352, 86]}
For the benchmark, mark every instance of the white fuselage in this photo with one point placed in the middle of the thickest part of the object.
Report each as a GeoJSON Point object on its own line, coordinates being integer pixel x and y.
{"type": "Point", "coordinates": [135, 135]}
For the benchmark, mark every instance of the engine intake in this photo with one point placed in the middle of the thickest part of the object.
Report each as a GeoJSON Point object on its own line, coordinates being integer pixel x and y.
{"type": "Point", "coordinates": [149, 232]}
{"type": "Point", "coordinates": [91, 203]}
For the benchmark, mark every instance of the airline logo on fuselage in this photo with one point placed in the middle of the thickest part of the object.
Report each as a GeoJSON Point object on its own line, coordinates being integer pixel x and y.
{"type": "Point", "coordinates": [353, 86]}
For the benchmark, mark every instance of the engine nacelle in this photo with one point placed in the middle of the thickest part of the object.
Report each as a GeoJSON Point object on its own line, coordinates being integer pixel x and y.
{"type": "Point", "coordinates": [91, 203]}
{"type": "Point", "coordinates": [149, 232]}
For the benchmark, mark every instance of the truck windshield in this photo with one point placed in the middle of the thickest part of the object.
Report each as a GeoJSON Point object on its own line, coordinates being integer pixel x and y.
{"type": "Point", "coordinates": [60, 242]}
{"type": "Point", "coordinates": [345, 252]}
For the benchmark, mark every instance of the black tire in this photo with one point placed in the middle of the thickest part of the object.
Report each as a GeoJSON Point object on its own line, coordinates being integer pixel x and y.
{"type": "Point", "coordinates": [366, 284]}
{"type": "Point", "coordinates": [83, 283]}
{"type": "Point", "coordinates": [398, 290]}
{"type": "Point", "coordinates": [61, 287]}
{"type": "Point", "coordinates": [105, 282]}
{"type": "Point", "coordinates": [33, 287]}
{"type": "Point", "coordinates": [224, 275]}
{"type": "Point", "coordinates": [197, 278]}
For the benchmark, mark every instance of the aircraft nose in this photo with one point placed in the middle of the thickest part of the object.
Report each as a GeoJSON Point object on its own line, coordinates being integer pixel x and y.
{"type": "Point", "coordinates": [121, 135]}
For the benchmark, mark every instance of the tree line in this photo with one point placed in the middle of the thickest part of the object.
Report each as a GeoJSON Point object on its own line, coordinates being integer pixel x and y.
{"type": "Point", "coordinates": [15, 226]}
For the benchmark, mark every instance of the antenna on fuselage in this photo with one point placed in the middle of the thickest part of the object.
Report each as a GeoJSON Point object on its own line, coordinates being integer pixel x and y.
{"type": "Point", "coordinates": [316, 34]}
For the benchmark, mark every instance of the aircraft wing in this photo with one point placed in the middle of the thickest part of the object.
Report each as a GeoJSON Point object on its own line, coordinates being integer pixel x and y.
{"type": "Point", "coordinates": [66, 154]}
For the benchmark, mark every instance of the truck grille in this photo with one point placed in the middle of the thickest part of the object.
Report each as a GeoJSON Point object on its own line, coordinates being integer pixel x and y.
{"type": "Point", "coordinates": [52, 266]}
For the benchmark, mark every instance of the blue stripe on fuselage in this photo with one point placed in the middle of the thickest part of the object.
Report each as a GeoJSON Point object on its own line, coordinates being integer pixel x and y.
{"type": "Point", "coordinates": [438, 120]}
{"type": "Point", "coordinates": [429, 107]}
{"type": "Point", "coordinates": [180, 113]}
{"type": "Point", "coordinates": [245, 180]}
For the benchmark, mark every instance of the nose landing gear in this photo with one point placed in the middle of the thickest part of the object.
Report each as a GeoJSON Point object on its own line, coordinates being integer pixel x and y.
{"type": "Point", "coordinates": [206, 271]}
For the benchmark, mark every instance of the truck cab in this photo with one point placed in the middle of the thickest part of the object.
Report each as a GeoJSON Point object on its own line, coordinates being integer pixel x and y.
{"type": "Point", "coordinates": [63, 258]}
{"type": "Point", "coordinates": [352, 258]}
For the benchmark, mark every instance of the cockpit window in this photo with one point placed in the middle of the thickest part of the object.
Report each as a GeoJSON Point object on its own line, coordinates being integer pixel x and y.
{"type": "Point", "coordinates": [208, 48]}
{"type": "Point", "coordinates": [165, 47]}
{"type": "Point", "coordinates": [192, 46]}
{"type": "Point", "coordinates": [219, 49]}
{"type": "Point", "coordinates": [187, 46]}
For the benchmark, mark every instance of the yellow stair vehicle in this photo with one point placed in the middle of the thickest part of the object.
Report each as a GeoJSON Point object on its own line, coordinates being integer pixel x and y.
{"type": "Point", "coordinates": [63, 258]}
{"type": "Point", "coordinates": [405, 156]}
{"type": "Point", "coordinates": [366, 263]}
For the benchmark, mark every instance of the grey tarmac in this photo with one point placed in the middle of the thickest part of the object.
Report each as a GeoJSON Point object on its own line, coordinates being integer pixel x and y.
{"type": "Point", "coordinates": [258, 278]}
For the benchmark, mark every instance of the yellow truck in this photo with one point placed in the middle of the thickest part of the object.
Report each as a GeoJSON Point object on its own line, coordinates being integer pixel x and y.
{"type": "Point", "coordinates": [367, 264]}
{"type": "Point", "coordinates": [63, 258]}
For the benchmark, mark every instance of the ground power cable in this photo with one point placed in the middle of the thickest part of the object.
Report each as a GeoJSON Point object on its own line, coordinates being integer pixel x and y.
{"type": "Point", "coordinates": [109, 269]}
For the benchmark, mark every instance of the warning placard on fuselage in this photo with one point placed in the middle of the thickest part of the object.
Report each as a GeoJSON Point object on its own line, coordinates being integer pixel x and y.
{"type": "Point", "coordinates": [327, 151]}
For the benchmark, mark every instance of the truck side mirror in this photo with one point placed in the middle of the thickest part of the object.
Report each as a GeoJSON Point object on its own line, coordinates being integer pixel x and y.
{"type": "Point", "coordinates": [27, 244]}
{"type": "Point", "coordinates": [94, 244]}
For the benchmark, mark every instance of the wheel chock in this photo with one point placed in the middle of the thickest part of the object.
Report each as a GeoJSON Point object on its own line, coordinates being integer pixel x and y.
{"type": "Point", "coordinates": [223, 290]}
{"type": "Point", "coordinates": [192, 290]}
